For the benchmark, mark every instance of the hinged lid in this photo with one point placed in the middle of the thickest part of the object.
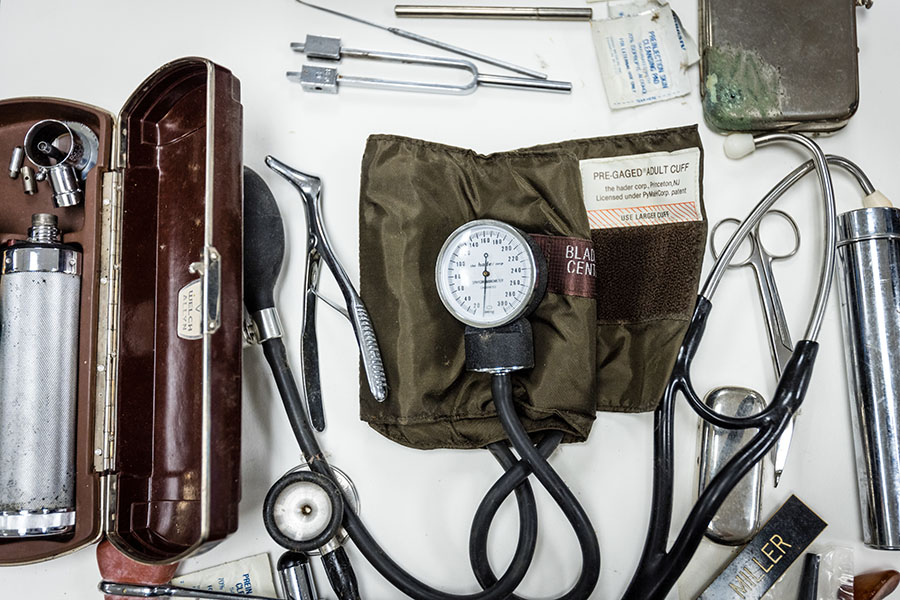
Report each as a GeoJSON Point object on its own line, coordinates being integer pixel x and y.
{"type": "Point", "coordinates": [171, 348]}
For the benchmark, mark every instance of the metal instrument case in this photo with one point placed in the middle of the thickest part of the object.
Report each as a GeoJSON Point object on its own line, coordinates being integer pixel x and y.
{"type": "Point", "coordinates": [769, 65]}
{"type": "Point", "coordinates": [159, 380]}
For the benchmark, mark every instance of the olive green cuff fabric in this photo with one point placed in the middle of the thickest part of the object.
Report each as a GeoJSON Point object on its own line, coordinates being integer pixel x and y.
{"type": "Point", "coordinates": [609, 353]}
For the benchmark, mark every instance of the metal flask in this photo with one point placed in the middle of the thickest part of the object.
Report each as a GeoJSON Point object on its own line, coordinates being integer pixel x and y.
{"type": "Point", "coordinates": [40, 289]}
{"type": "Point", "coordinates": [869, 255]}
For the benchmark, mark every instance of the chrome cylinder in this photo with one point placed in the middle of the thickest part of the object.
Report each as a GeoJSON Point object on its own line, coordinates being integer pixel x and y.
{"type": "Point", "coordinates": [869, 256]}
{"type": "Point", "coordinates": [66, 186]}
{"type": "Point", "coordinates": [29, 180]}
{"type": "Point", "coordinates": [16, 161]}
{"type": "Point", "coordinates": [40, 286]}
{"type": "Point", "coordinates": [296, 576]}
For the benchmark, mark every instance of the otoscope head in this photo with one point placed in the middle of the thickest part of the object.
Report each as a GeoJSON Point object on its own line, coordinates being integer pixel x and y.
{"type": "Point", "coordinates": [739, 145]}
{"type": "Point", "coordinates": [263, 243]}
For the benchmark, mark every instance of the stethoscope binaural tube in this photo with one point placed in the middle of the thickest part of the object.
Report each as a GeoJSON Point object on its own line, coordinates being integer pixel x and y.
{"type": "Point", "coordinates": [662, 564]}
{"type": "Point", "coordinates": [820, 163]}
{"type": "Point", "coordinates": [263, 254]}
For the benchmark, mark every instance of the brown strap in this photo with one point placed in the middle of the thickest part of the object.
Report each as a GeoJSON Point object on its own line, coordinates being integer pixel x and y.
{"type": "Point", "coordinates": [570, 263]}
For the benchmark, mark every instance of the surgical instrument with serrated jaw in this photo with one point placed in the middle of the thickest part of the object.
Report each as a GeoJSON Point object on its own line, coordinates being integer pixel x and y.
{"type": "Point", "coordinates": [326, 79]}
{"type": "Point", "coordinates": [433, 42]}
{"type": "Point", "coordinates": [781, 345]}
{"type": "Point", "coordinates": [318, 248]}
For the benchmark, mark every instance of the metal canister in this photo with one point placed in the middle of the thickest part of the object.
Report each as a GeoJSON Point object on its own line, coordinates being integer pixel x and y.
{"type": "Point", "coordinates": [869, 254]}
{"type": "Point", "coordinates": [296, 576]}
{"type": "Point", "coordinates": [40, 286]}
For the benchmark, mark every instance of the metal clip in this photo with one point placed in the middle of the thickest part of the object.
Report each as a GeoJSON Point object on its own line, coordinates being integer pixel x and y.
{"type": "Point", "coordinates": [211, 272]}
{"type": "Point", "coordinates": [264, 325]}
{"type": "Point", "coordinates": [320, 46]}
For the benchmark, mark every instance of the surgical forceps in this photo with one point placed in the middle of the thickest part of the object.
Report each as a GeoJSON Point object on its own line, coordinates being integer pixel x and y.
{"type": "Point", "coordinates": [780, 344]}
{"type": "Point", "coordinates": [318, 248]}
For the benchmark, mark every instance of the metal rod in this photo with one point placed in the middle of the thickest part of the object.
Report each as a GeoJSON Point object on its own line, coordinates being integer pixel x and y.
{"type": "Point", "coordinates": [524, 83]}
{"type": "Point", "coordinates": [541, 13]}
{"type": "Point", "coordinates": [433, 42]}
{"type": "Point", "coordinates": [129, 590]}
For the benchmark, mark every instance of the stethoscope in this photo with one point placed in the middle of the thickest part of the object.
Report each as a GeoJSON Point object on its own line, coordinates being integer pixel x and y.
{"type": "Point", "coordinates": [661, 564]}
{"type": "Point", "coordinates": [316, 490]}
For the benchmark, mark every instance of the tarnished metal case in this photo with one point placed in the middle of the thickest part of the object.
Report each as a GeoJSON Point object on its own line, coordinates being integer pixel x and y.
{"type": "Point", "coordinates": [738, 519]}
{"type": "Point", "coordinates": [157, 453]}
{"type": "Point", "coordinates": [770, 64]}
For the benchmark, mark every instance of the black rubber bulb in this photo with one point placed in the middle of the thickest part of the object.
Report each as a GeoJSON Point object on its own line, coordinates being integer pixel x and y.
{"type": "Point", "coordinates": [263, 243]}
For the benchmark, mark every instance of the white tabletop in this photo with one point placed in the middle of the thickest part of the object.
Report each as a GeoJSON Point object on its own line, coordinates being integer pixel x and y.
{"type": "Point", "coordinates": [418, 504]}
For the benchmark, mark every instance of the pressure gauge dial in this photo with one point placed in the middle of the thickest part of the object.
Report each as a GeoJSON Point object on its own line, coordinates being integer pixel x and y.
{"type": "Point", "coordinates": [489, 273]}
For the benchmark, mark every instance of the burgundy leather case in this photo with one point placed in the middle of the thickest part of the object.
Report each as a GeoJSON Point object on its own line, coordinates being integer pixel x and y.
{"type": "Point", "coordinates": [159, 382]}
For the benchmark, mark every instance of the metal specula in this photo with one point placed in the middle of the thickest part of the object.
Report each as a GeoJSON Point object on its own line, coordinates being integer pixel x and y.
{"type": "Point", "coordinates": [318, 248]}
{"type": "Point", "coordinates": [781, 346]}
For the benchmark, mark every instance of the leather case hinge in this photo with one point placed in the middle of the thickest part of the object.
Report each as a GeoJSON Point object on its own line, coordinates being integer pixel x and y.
{"type": "Point", "coordinates": [108, 323]}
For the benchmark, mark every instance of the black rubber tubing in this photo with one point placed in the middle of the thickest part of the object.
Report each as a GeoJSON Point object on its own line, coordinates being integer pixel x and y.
{"type": "Point", "coordinates": [515, 478]}
{"type": "Point", "coordinates": [555, 486]}
{"type": "Point", "coordinates": [340, 574]}
{"type": "Point", "coordinates": [276, 356]}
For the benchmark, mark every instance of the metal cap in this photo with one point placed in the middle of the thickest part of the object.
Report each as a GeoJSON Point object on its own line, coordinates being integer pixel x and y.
{"type": "Point", "coordinates": [41, 259]}
{"type": "Point", "coordinates": [881, 222]}
{"type": "Point", "coordinates": [36, 523]}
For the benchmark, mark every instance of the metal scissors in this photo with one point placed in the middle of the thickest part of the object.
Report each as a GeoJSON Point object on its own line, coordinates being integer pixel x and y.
{"type": "Point", "coordinates": [781, 345]}
{"type": "Point", "coordinates": [318, 249]}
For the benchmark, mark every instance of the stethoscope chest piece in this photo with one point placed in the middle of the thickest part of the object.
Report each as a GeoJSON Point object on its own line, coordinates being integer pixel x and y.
{"type": "Point", "coordinates": [303, 511]}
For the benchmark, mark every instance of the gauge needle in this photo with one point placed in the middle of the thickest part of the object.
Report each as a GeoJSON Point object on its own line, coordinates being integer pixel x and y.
{"type": "Point", "coordinates": [486, 274]}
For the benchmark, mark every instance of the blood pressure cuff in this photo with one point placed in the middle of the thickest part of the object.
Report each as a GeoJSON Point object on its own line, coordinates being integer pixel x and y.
{"type": "Point", "coordinates": [605, 343]}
